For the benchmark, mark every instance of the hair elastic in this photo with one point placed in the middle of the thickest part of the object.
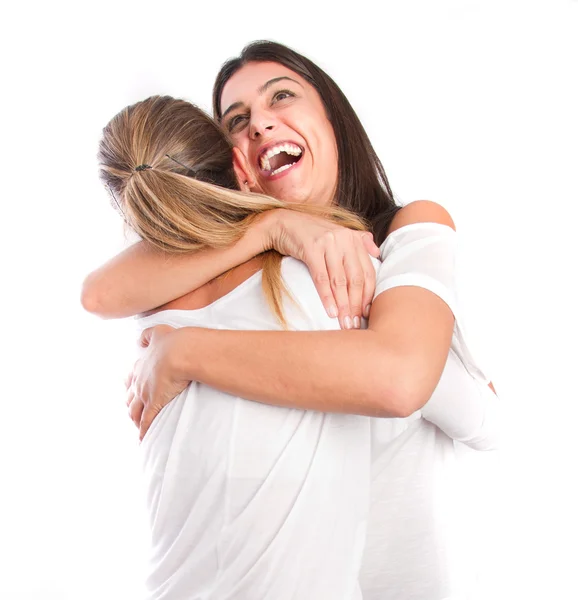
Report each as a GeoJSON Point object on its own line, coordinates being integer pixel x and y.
{"type": "Point", "coordinates": [142, 167]}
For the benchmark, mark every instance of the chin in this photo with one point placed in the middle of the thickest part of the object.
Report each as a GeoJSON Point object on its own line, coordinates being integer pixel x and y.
{"type": "Point", "coordinates": [289, 194]}
{"type": "Point", "coordinates": [294, 199]}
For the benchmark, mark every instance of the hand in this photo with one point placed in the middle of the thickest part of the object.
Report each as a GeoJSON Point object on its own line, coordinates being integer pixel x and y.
{"type": "Point", "coordinates": [155, 379]}
{"type": "Point", "coordinates": [337, 257]}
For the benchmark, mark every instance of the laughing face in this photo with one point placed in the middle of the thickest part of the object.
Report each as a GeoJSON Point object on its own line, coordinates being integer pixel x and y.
{"type": "Point", "coordinates": [278, 122]}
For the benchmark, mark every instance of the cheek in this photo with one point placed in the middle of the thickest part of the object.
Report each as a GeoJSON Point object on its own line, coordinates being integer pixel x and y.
{"type": "Point", "coordinates": [325, 134]}
{"type": "Point", "coordinates": [330, 160]}
{"type": "Point", "coordinates": [240, 142]}
{"type": "Point", "coordinates": [330, 147]}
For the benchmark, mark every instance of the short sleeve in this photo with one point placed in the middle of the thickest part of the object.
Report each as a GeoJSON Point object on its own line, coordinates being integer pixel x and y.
{"type": "Point", "coordinates": [424, 255]}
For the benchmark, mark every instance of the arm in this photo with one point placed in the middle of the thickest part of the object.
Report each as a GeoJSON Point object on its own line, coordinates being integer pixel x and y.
{"type": "Point", "coordinates": [390, 369]}
{"type": "Point", "coordinates": [371, 372]}
{"type": "Point", "coordinates": [142, 278]}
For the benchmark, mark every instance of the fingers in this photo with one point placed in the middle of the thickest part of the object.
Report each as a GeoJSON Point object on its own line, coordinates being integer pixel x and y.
{"type": "Point", "coordinates": [128, 380]}
{"type": "Point", "coordinates": [355, 284]}
{"type": "Point", "coordinates": [360, 275]}
{"type": "Point", "coordinates": [334, 258]}
{"type": "Point", "coordinates": [315, 261]}
{"type": "Point", "coordinates": [370, 245]}
{"type": "Point", "coordinates": [368, 275]}
{"type": "Point", "coordinates": [135, 410]}
{"type": "Point", "coordinates": [147, 418]}
{"type": "Point", "coordinates": [145, 337]}
{"type": "Point", "coordinates": [343, 273]}
{"type": "Point", "coordinates": [129, 396]}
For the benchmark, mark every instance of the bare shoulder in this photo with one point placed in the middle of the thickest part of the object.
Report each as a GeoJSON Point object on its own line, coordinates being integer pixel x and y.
{"type": "Point", "coordinates": [421, 211]}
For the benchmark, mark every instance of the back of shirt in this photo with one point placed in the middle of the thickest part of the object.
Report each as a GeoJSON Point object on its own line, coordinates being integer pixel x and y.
{"type": "Point", "coordinates": [255, 501]}
{"type": "Point", "coordinates": [248, 500]}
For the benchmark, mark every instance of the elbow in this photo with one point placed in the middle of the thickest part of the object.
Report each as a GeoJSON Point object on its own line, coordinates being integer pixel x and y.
{"type": "Point", "coordinates": [87, 298]}
{"type": "Point", "coordinates": [406, 404]}
{"type": "Point", "coordinates": [395, 392]}
{"type": "Point", "coordinates": [405, 409]}
{"type": "Point", "coordinates": [397, 400]}
{"type": "Point", "coordinates": [91, 299]}
{"type": "Point", "coordinates": [90, 302]}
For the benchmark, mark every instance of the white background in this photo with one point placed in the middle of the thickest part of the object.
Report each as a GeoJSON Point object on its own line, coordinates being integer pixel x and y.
{"type": "Point", "coordinates": [472, 104]}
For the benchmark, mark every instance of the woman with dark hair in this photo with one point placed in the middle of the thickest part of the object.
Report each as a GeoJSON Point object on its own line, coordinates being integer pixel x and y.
{"type": "Point", "coordinates": [274, 115]}
{"type": "Point", "coordinates": [362, 185]}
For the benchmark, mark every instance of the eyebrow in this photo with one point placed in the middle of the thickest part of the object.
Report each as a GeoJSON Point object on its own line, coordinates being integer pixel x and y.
{"type": "Point", "coordinates": [260, 91]}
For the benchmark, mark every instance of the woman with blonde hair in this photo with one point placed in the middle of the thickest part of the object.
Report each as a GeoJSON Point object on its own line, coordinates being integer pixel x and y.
{"type": "Point", "coordinates": [248, 500]}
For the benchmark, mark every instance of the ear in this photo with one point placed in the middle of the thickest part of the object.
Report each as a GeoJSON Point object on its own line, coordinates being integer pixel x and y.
{"type": "Point", "coordinates": [242, 171]}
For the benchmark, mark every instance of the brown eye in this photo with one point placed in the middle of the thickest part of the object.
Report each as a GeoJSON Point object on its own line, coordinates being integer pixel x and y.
{"type": "Point", "coordinates": [235, 122]}
{"type": "Point", "coordinates": [282, 95]}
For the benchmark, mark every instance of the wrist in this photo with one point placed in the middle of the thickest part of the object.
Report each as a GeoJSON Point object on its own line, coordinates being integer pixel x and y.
{"type": "Point", "coordinates": [184, 353]}
{"type": "Point", "coordinates": [268, 227]}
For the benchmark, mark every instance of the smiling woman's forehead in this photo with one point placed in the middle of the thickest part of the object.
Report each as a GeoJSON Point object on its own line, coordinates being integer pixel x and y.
{"type": "Point", "coordinates": [246, 82]}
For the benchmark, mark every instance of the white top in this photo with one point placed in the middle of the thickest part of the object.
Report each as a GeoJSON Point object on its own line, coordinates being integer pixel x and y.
{"type": "Point", "coordinates": [255, 502]}
{"type": "Point", "coordinates": [417, 548]}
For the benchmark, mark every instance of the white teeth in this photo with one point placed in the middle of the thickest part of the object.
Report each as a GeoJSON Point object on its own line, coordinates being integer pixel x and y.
{"type": "Point", "coordinates": [281, 169]}
{"type": "Point", "coordinates": [291, 149]}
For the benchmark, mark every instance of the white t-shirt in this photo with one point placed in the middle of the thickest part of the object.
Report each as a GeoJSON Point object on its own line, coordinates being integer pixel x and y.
{"type": "Point", "coordinates": [255, 502]}
{"type": "Point", "coordinates": [417, 545]}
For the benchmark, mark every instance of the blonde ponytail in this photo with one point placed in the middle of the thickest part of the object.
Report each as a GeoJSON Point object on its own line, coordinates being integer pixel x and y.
{"type": "Point", "coordinates": [147, 156]}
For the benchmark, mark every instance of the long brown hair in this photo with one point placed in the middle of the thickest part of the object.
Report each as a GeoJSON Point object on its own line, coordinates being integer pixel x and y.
{"type": "Point", "coordinates": [362, 185]}
{"type": "Point", "coordinates": [169, 169]}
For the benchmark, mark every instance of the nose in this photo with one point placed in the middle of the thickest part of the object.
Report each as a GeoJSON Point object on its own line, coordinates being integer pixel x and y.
{"type": "Point", "coordinates": [260, 126]}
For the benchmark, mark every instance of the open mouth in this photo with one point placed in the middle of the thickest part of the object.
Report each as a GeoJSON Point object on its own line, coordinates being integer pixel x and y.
{"type": "Point", "coordinates": [279, 158]}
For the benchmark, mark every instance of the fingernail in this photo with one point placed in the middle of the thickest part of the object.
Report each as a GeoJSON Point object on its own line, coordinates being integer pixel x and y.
{"type": "Point", "coordinates": [366, 311]}
{"type": "Point", "coordinates": [347, 322]}
{"type": "Point", "coordinates": [332, 311]}
{"type": "Point", "coordinates": [356, 322]}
